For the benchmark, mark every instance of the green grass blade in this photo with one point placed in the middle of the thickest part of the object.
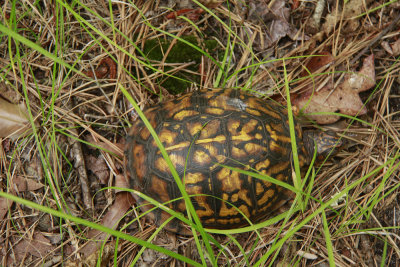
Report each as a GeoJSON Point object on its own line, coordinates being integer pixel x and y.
{"type": "Point", "coordinates": [321, 208]}
{"type": "Point", "coordinates": [97, 227]}
{"type": "Point", "coordinates": [328, 240]}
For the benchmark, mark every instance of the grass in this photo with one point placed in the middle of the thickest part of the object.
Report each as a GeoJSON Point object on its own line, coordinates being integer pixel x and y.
{"type": "Point", "coordinates": [343, 204]}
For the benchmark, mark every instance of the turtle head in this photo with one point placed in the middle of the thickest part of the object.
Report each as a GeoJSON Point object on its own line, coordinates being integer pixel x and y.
{"type": "Point", "coordinates": [326, 143]}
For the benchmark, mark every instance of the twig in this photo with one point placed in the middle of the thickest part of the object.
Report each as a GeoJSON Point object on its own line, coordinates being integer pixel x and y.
{"type": "Point", "coordinates": [80, 166]}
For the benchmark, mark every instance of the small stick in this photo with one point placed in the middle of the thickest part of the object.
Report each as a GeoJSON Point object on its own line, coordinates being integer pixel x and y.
{"type": "Point", "coordinates": [80, 165]}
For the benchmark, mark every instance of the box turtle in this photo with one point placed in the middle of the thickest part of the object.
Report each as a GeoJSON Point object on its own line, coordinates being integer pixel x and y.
{"type": "Point", "coordinates": [202, 132]}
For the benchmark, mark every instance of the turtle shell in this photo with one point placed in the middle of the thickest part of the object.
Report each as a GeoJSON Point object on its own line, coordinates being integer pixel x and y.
{"type": "Point", "coordinates": [203, 132]}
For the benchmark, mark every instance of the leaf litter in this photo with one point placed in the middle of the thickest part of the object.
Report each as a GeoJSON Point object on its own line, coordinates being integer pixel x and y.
{"type": "Point", "coordinates": [273, 18]}
{"type": "Point", "coordinates": [344, 98]}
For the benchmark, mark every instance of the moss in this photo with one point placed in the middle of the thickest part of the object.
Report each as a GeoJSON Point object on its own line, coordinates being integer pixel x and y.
{"type": "Point", "coordinates": [181, 52]}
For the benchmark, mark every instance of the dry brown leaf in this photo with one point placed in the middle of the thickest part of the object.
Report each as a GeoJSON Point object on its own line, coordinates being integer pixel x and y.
{"type": "Point", "coordinates": [23, 184]}
{"type": "Point", "coordinates": [344, 99]}
{"type": "Point", "coordinates": [364, 79]}
{"type": "Point", "coordinates": [123, 201]}
{"type": "Point", "coordinates": [323, 60]}
{"type": "Point", "coordinates": [276, 19]}
{"type": "Point", "coordinates": [330, 23]}
{"type": "Point", "coordinates": [38, 246]}
{"type": "Point", "coordinates": [385, 45]}
{"type": "Point", "coordinates": [10, 95]}
{"type": "Point", "coordinates": [13, 120]}
{"type": "Point", "coordinates": [396, 47]}
{"type": "Point", "coordinates": [5, 205]}
{"type": "Point", "coordinates": [99, 168]}
{"type": "Point", "coordinates": [351, 10]}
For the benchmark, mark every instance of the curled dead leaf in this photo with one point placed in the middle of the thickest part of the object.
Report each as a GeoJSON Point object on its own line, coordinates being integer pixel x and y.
{"type": "Point", "coordinates": [107, 67]}
{"type": "Point", "coordinates": [13, 120]}
{"type": "Point", "coordinates": [274, 18]}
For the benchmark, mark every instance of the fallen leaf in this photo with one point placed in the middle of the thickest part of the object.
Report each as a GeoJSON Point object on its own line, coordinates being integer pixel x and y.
{"type": "Point", "coordinates": [10, 95]}
{"type": "Point", "coordinates": [385, 45]}
{"type": "Point", "coordinates": [5, 205]}
{"type": "Point", "coordinates": [37, 245]}
{"type": "Point", "coordinates": [330, 23]}
{"type": "Point", "coordinates": [277, 30]}
{"type": "Point", "coordinates": [343, 99]}
{"type": "Point", "coordinates": [364, 79]}
{"type": "Point", "coordinates": [351, 10]}
{"type": "Point", "coordinates": [23, 184]}
{"type": "Point", "coordinates": [13, 120]}
{"type": "Point", "coordinates": [99, 168]}
{"type": "Point", "coordinates": [107, 67]}
{"type": "Point", "coordinates": [323, 60]}
{"type": "Point", "coordinates": [396, 47]}
{"type": "Point", "coordinates": [190, 13]}
{"type": "Point", "coordinates": [274, 19]}
{"type": "Point", "coordinates": [123, 202]}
